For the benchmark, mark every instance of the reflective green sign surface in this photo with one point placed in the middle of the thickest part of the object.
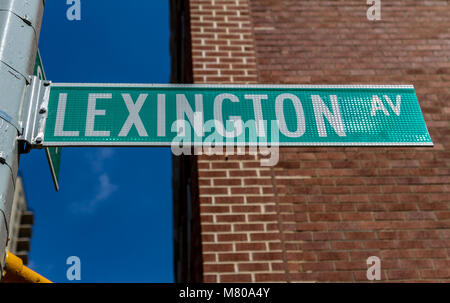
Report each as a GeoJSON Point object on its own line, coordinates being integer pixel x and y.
{"type": "Point", "coordinates": [161, 115]}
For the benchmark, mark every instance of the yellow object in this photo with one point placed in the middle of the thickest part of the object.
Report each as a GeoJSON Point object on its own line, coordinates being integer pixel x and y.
{"type": "Point", "coordinates": [15, 267]}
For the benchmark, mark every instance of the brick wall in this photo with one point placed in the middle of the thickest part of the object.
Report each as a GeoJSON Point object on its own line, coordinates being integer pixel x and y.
{"type": "Point", "coordinates": [321, 212]}
{"type": "Point", "coordinates": [239, 220]}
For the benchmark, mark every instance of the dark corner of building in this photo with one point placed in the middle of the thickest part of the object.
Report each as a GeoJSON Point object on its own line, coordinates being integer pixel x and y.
{"type": "Point", "coordinates": [186, 212]}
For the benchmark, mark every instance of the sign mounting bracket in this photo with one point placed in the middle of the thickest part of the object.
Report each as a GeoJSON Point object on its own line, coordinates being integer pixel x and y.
{"type": "Point", "coordinates": [34, 113]}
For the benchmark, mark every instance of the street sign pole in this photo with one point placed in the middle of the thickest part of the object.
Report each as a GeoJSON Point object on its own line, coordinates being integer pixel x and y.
{"type": "Point", "coordinates": [20, 24]}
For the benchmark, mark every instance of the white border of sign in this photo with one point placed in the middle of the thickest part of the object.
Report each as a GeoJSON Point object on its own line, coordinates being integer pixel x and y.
{"type": "Point", "coordinates": [293, 86]}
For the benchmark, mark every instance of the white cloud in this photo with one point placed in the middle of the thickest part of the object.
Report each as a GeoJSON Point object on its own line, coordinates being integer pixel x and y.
{"type": "Point", "coordinates": [98, 158]}
{"type": "Point", "coordinates": [106, 153]}
{"type": "Point", "coordinates": [104, 190]}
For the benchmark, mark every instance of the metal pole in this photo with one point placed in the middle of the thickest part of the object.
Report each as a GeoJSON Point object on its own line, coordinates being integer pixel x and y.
{"type": "Point", "coordinates": [20, 25]}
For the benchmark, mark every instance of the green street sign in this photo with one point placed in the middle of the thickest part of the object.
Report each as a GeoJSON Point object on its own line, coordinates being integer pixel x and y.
{"type": "Point", "coordinates": [53, 153]}
{"type": "Point", "coordinates": [38, 67]}
{"type": "Point", "coordinates": [245, 115]}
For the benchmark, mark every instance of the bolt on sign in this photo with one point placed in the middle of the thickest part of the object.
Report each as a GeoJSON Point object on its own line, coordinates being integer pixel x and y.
{"type": "Point", "coordinates": [194, 115]}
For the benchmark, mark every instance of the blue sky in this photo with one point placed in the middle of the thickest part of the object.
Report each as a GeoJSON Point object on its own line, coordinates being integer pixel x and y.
{"type": "Point", "coordinates": [114, 207]}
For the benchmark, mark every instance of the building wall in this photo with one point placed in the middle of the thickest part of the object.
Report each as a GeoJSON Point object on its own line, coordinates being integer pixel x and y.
{"type": "Point", "coordinates": [21, 224]}
{"type": "Point", "coordinates": [321, 212]}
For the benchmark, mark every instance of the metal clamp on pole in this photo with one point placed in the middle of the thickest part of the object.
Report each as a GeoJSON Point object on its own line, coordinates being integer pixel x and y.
{"type": "Point", "coordinates": [34, 112]}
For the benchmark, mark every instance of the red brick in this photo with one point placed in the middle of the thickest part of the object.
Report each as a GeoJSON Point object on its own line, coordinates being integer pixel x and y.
{"type": "Point", "coordinates": [316, 245]}
{"type": "Point", "coordinates": [216, 227]}
{"type": "Point", "coordinates": [226, 200]}
{"type": "Point", "coordinates": [254, 267]}
{"type": "Point", "coordinates": [236, 278]}
{"type": "Point", "coordinates": [318, 236]}
{"type": "Point", "coordinates": [403, 274]}
{"type": "Point", "coordinates": [217, 247]}
{"type": "Point", "coordinates": [231, 237]}
{"type": "Point", "coordinates": [431, 253]}
{"type": "Point", "coordinates": [218, 268]}
{"type": "Point", "coordinates": [210, 278]}
{"type": "Point", "coordinates": [264, 236]}
{"type": "Point", "coordinates": [324, 217]}
{"type": "Point", "coordinates": [213, 191]}
{"type": "Point", "coordinates": [248, 227]}
{"type": "Point", "coordinates": [350, 265]}
{"type": "Point", "coordinates": [252, 246]}
{"type": "Point", "coordinates": [273, 277]}
{"type": "Point", "coordinates": [418, 264]}
{"type": "Point", "coordinates": [262, 218]}
{"type": "Point", "coordinates": [230, 182]}
{"type": "Point", "coordinates": [317, 266]}
{"type": "Point", "coordinates": [227, 257]}
{"type": "Point", "coordinates": [442, 273]}
{"type": "Point", "coordinates": [334, 276]}
{"type": "Point", "coordinates": [347, 245]}
{"type": "Point", "coordinates": [230, 218]}
{"type": "Point", "coordinates": [331, 255]}
{"type": "Point", "coordinates": [267, 256]}
{"type": "Point", "coordinates": [360, 235]}
{"type": "Point", "coordinates": [214, 209]}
